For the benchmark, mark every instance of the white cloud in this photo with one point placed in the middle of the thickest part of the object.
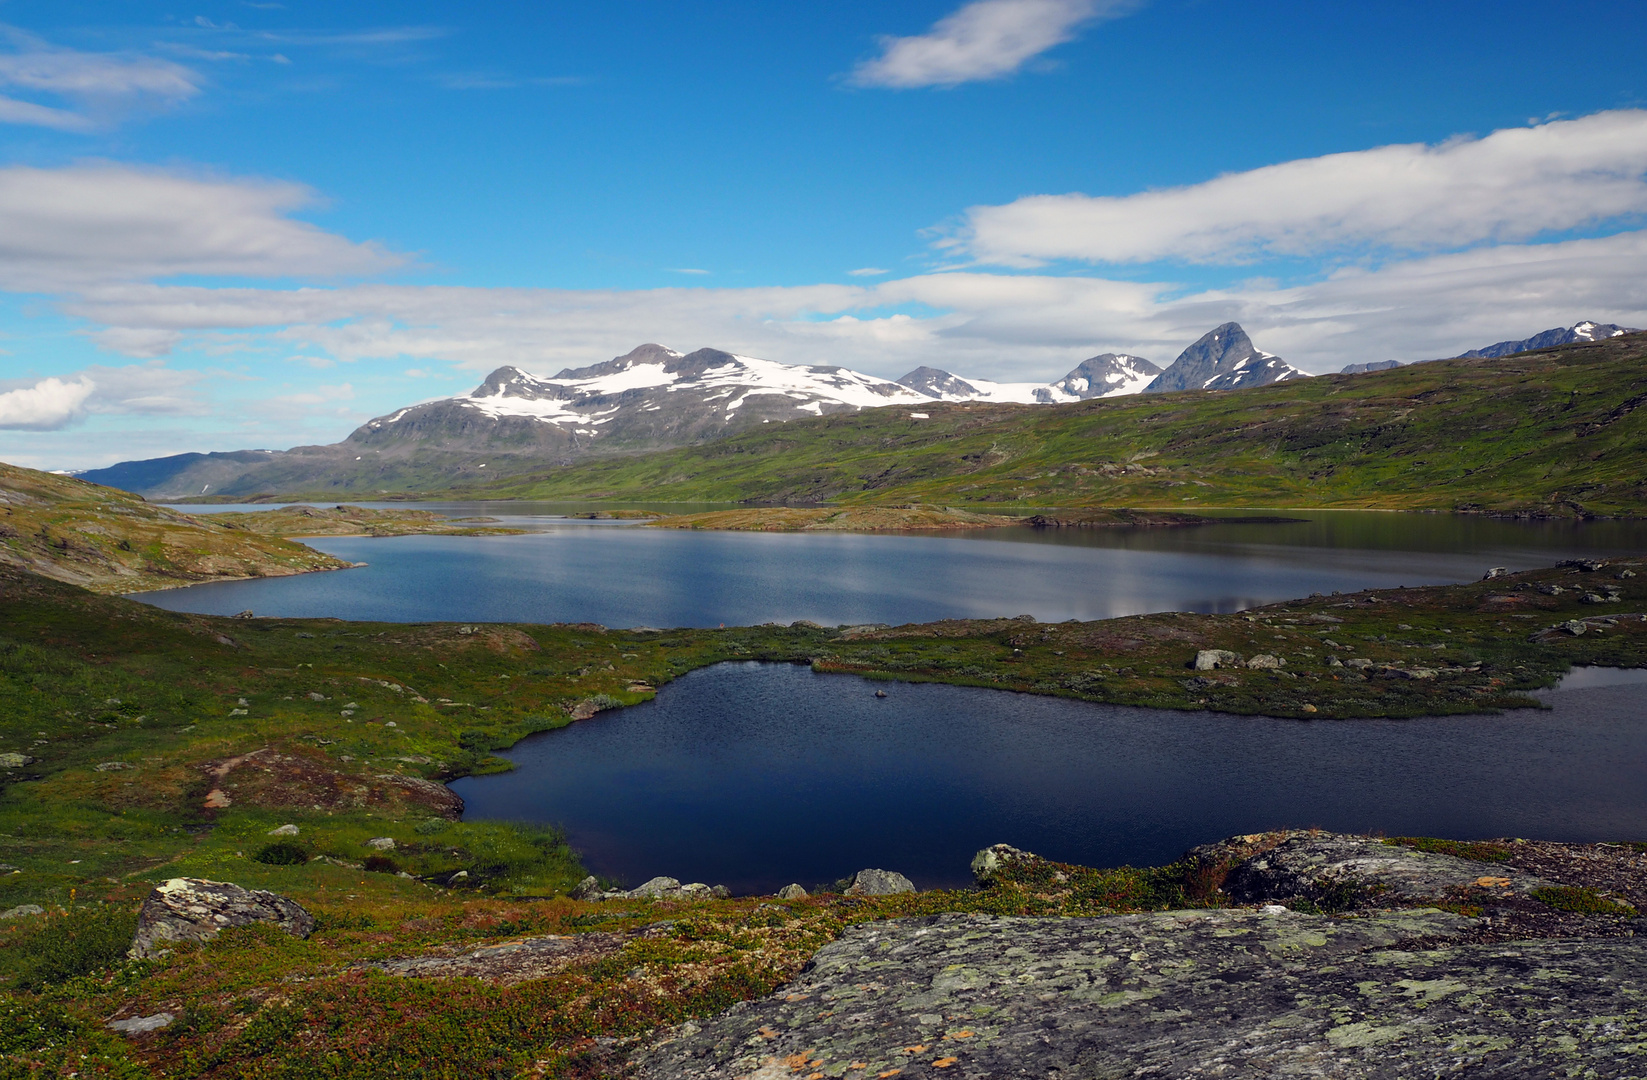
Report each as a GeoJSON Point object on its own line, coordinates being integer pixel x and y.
{"type": "Point", "coordinates": [868, 271]}
{"type": "Point", "coordinates": [986, 39]}
{"type": "Point", "coordinates": [1513, 185]}
{"type": "Point", "coordinates": [48, 404]}
{"type": "Point", "coordinates": [61, 229]}
{"type": "Point", "coordinates": [1002, 326]}
{"type": "Point", "coordinates": [98, 87]}
{"type": "Point", "coordinates": [686, 270]}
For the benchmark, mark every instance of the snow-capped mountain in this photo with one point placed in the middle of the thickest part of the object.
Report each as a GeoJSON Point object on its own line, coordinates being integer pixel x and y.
{"type": "Point", "coordinates": [1106, 375]}
{"type": "Point", "coordinates": [649, 396]}
{"type": "Point", "coordinates": [1223, 359]}
{"type": "Point", "coordinates": [1569, 335]}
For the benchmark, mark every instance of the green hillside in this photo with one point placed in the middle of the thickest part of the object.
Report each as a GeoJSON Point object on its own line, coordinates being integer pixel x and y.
{"type": "Point", "coordinates": [1552, 432]}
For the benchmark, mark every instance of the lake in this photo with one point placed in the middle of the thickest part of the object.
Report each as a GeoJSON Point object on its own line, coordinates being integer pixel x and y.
{"type": "Point", "coordinates": [624, 575]}
{"type": "Point", "coordinates": [755, 775]}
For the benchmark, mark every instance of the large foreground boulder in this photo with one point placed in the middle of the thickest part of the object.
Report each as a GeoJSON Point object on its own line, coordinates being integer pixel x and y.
{"type": "Point", "coordinates": [193, 909]}
{"type": "Point", "coordinates": [1186, 994]}
{"type": "Point", "coordinates": [878, 883]}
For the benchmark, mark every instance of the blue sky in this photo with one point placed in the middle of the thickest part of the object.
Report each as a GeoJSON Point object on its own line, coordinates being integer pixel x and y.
{"type": "Point", "coordinates": [258, 224]}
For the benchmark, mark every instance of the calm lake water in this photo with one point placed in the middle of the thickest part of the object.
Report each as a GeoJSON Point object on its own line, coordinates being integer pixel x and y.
{"type": "Point", "coordinates": [756, 775]}
{"type": "Point", "coordinates": [623, 575]}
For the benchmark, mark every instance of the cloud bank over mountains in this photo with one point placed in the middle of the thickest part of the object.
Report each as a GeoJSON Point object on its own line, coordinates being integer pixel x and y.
{"type": "Point", "coordinates": [1473, 241]}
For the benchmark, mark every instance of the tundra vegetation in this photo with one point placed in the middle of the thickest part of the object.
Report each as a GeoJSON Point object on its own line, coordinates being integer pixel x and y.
{"type": "Point", "coordinates": [138, 745]}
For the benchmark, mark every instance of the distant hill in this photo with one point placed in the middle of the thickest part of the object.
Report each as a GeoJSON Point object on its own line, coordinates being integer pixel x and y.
{"type": "Point", "coordinates": [1571, 335]}
{"type": "Point", "coordinates": [1376, 365]}
{"type": "Point", "coordinates": [1556, 432]}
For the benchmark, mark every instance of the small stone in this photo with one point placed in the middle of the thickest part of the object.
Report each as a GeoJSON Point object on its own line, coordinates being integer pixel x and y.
{"type": "Point", "coordinates": [1209, 659]}
{"type": "Point", "coordinates": [284, 830]}
{"type": "Point", "coordinates": [1264, 661]}
{"type": "Point", "coordinates": [381, 843]}
{"type": "Point", "coordinates": [1309, 708]}
{"type": "Point", "coordinates": [1574, 627]}
{"type": "Point", "coordinates": [316, 696]}
{"type": "Point", "coordinates": [21, 910]}
{"type": "Point", "coordinates": [1496, 571]}
{"type": "Point", "coordinates": [792, 891]}
{"type": "Point", "coordinates": [587, 889]}
{"type": "Point", "coordinates": [878, 883]}
{"type": "Point", "coordinates": [140, 1025]}
{"type": "Point", "coordinates": [112, 766]}
{"type": "Point", "coordinates": [15, 761]}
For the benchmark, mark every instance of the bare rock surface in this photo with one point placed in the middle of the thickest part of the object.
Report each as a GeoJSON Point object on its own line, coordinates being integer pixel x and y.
{"type": "Point", "coordinates": [1331, 866]}
{"type": "Point", "coordinates": [193, 909]}
{"type": "Point", "coordinates": [510, 962]}
{"type": "Point", "coordinates": [878, 883]}
{"type": "Point", "coordinates": [1267, 993]}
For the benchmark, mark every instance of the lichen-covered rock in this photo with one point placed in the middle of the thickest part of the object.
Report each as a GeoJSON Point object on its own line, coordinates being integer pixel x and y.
{"type": "Point", "coordinates": [878, 883]}
{"type": "Point", "coordinates": [1346, 871]}
{"type": "Point", "coordinates": [192, 909]}
{"type": "Point", "coordinates": [1231, 993]}
{"type": "Point", "coordinates": [1210, 659]}
{"type": "Point", "coordinates": [792, 892]}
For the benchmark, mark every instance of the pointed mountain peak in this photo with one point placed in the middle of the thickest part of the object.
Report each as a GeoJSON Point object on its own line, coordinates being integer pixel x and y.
{"type": "Point", "coordinates": [938, 383]}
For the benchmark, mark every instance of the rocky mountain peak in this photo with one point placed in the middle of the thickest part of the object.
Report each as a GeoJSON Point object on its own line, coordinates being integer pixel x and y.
{"type": "Point", "coordinates": [938, 383]}
{"type": "Point", "coordinates": [1224, 358]}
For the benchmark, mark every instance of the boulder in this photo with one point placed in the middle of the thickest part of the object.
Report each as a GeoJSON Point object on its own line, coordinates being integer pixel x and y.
{"type": "Point", "coordinates": [792, 892]}
{"type": "Point", "coordinates": [988, 863]}
{"type": "Point", "coordinates": [284, 830]}
{"type": "Point", "coordinates": [192, 909]}
{"type": "Point", "coordinates": [1208, 659]}
{"type": "Point", "coordinates": [381, 843]}
{"type": "Point", "coordinates": [587, 889]}
{"type": "Point", "coordinates": [14, 760]}
{"type": "Point", "coordinates": [21, 910]}
{"type": "Point", "coordinates": [878, 883]}
{"type": "Point", "coordinates": [1264, 661]}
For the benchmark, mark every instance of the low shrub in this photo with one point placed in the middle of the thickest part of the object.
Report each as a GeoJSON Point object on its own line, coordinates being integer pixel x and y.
{"type": "Point", "coordinates": [282, 853]}
{"type": "Point", "coordinates": [82, 942]}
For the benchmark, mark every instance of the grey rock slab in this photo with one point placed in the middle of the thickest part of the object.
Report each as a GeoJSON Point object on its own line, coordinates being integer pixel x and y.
{"type": "Point", "coordinates": [193, 909]}
{"type": "Point", "coordinates": [1309, 865]}
{"type": "Point", "coordinates": [1231, 993]}
{"type": "Point", "coordinates": [1211, 659]}
{"type": "Point", "coordinates": [141, 1025]}
{"type": "Point", "coordinates": [22, 910]}
{"type": "Point", "coordinates": [511, 962]}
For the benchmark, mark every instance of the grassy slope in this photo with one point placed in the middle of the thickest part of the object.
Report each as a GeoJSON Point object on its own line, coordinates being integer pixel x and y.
{"type": "Point", "coordinates": [113, 541]}
{"type": "Point", "coordinates": [1551, 432]}
{"type": "Point", "coordinates": [303, 521]}
{"type": "Point", "coordinates": [128, 709]}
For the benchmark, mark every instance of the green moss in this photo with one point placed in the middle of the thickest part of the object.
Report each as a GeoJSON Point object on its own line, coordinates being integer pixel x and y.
{"type": "Point", "coordinates": [1580, 900]}
{"type": "Point", "coordinates": [1477, 851]}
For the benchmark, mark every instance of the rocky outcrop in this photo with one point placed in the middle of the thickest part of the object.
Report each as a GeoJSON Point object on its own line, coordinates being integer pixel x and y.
{"type": "Point", "coordinates": [193, 909]}
{"type": "Point", "coordinates": [1341, 870]}
{"type": "Point", "coordinates": [1233, 993]}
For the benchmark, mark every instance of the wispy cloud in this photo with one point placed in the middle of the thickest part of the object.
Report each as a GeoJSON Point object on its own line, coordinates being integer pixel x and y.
{"type": "Point", "coordinates": [685, 270]}
{"type": "Point", "coordinates": [868, 271]}
{"type": "Point", "coordinates": [63, 229]}
{"type": "Point", "coordinates": [1512, 185]}
{"type": "Point", "coordinates": [489, 81]}
{"type": "Point", "coordinates": [986, 39]}
{"type": "Point", "coordinates": [84, 90]}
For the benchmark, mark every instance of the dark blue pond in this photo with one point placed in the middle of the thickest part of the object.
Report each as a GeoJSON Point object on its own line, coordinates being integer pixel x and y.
{"type": "Point", "coordinates": [755, 775]}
